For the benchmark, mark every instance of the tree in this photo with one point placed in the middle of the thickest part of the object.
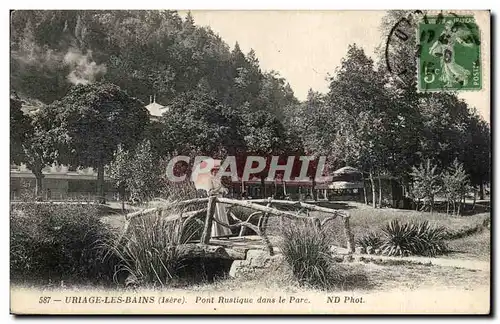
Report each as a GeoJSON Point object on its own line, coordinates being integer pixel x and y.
{"type": "Point", "coordinates": [144, 179]}
{"type": "Point", "coordinates": [477, 138]}
{"type": "Point", "coordinates": [362, 121]}
{"type": "Point", "coordinates": [20, 129]}
{"type": "Point", "coordinates": [119, 171]}
{"type": "Point", "coordinates": [198, 124]}
{"type": "Point", "coordinates": [426, 184]}
{"type": "Point", "coordinates": [31, 142]}
{"type": "Point", "coordinates": [92, 120]}
{"type": "Point", "coordinates": [265, 136]}
{"type": "Point", "coordinates": [275, 95]}
{"type": "Point", "coordinates": [455, 186]}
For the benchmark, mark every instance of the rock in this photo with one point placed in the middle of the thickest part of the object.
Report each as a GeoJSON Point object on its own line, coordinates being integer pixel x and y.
{"type": "Point", "coordinates": [256, 261]}
{"type": "Point", "coordinates": [369, 250]}
{"type": "Point", "coordinates": [235, 267]}
{"type": "Point", "coordinates": [377, 251]}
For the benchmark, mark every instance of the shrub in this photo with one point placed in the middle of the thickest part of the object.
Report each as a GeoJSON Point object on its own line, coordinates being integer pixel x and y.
{"type": "Point", "coordinates": [414, 238]}
{"type": "Point", "coordinates": [307, 251]}
{"type": "Point", "coordinates": [149, 254]}
{"type": "Point", "coordinates": [371, 239]}
{"type": "Point", "coordinates": [56, 241]}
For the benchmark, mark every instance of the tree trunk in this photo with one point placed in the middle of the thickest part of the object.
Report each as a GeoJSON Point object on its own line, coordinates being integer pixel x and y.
{"type": "Point", "coordinates": [364, 190]}
{"type": "Point", "coordinates": [372, 183]}
{"type": "Point", "coordinates": [122, 197]}
{"type": "Point", "coordinates": [474, 201]}
{"type": "Point", "coordinates": [379, 192]}
{"type": "Point", "coordinates": [447, 206]}
{"type": "Point", "coordinates": [38, 182]}
{"type": "Point", "coordinates": [481, 190]}
{"type": "Point", "coordinates": [262, 187]}
{"type": "Point", "coordinates": [313, 193]}
{"type": "Point", "coordinates": [100, 184]}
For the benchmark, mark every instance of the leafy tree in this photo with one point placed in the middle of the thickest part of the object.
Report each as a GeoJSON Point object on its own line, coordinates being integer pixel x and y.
{"type": "Point", "coordinates": [144, 179]}
{"type": "Point", "coordinates": [264, 136]}
{"type": "Point", "coordinates": [455, 186]}
{"type": "Point", "coordinates": [119, 171]}
{"type": "Point", "coordinates": [20, 127]}
{"type": "Point", "coordinates": [31, 142]}
{"type": "Point", "coordinates": [92, 120]}
{"type": "Point", "coordinates": [477, 139]}
{"type": "Point", "coordinates": [198, 124]}
{"type": "Point", "coordinates": [275, 95]}
{"type": "Point", "coordinates": [363, 126]}
{"type": "Point", "coordinates": [426, 184]}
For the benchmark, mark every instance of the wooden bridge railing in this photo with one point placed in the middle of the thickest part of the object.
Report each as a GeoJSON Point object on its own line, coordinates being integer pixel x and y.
{"type": "Point", "coordinates": [264, 211]}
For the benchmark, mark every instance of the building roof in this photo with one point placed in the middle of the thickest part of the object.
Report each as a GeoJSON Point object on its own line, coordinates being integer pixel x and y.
{"type": "Point", "coordinates": [346, 185]}
{"type": "Point", "coordinates": [155, 109]}
{"type": "Point", "coordinates": [346, 170]}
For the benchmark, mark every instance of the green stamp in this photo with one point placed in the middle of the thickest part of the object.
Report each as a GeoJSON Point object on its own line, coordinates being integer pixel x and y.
{"type": "Point", "coordinates": [449, 56]}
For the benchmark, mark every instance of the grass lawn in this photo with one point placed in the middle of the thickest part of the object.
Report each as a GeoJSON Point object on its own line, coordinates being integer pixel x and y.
{"type": "Point", "coordinates": [475, 247]}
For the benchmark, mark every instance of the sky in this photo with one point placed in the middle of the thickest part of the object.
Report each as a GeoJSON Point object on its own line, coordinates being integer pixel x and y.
{"type": "Point", "coordinates": [305, 46]}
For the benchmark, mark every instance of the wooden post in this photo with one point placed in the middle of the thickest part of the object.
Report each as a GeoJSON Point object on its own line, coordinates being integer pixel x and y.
{"type": "Point", "coordinates": [207, 229]}
{"type": "Point", "coordinates": [348, 235]}
{"type": "Point", "coordinates": [263, 229]}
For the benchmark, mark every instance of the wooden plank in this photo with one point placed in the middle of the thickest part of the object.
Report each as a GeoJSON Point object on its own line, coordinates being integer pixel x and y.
{"type": "Point", "coordinates": [140, 213]}
{"type": "Point", "coordinates": [207, 228]}
{"type": "Point", "coordinates": [167, 205]}
{"type": "Point", "coordinates": [349, 236]}
{"type": "Point", "coordinates": [303, 205]}
{"type": "Point", "coordinates": [251, 205]}
{"type": "Point", "coordinates": [182, 203]}
{"type": "Point", "coordinates": [190, 251]}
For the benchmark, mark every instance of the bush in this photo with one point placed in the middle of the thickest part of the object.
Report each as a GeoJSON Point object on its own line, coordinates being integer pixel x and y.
{"type": "Point", "coordinates": [371, 239]}
{"type": "Point", "coordinates": [307, 251]}
{"type": "Point", "coordinates": [149, 253]}
{"type": "Point", "coordinates": [414, 238]}
{"type": "Point", "coordinates": [58, 241]}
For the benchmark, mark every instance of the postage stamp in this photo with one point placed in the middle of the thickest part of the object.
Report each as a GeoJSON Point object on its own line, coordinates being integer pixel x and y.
{"type": "Point", "coordinates": [450, 56]}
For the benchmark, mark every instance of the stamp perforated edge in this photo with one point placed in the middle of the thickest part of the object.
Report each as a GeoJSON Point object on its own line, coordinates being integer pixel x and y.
{"type": "Point", "coordinates": [481, 52]}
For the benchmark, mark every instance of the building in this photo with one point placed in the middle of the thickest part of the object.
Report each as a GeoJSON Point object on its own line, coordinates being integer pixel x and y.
{"type": "Point", "coordinates": [155, 109]}
{"type": "Point", "coordinates": [59, 183]}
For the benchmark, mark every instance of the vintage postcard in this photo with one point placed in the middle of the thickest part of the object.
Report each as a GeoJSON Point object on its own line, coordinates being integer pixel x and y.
{"type": "Point", "coordinates": [250, 162]}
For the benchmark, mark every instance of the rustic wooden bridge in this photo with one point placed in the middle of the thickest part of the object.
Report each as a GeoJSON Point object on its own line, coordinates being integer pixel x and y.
{"type": "Point", "coordinates": [235, 247]}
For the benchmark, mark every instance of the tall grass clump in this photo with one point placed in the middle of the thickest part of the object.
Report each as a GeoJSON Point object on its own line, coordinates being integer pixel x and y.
{"type": "Point", "coordinates": [371, 239]}
{"type": "Point", "coordinates": [149, 253]}
{"type": "Point", "coordinates": [413, 238]}
{"type": "Point", "coordinates": [306, 250]}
